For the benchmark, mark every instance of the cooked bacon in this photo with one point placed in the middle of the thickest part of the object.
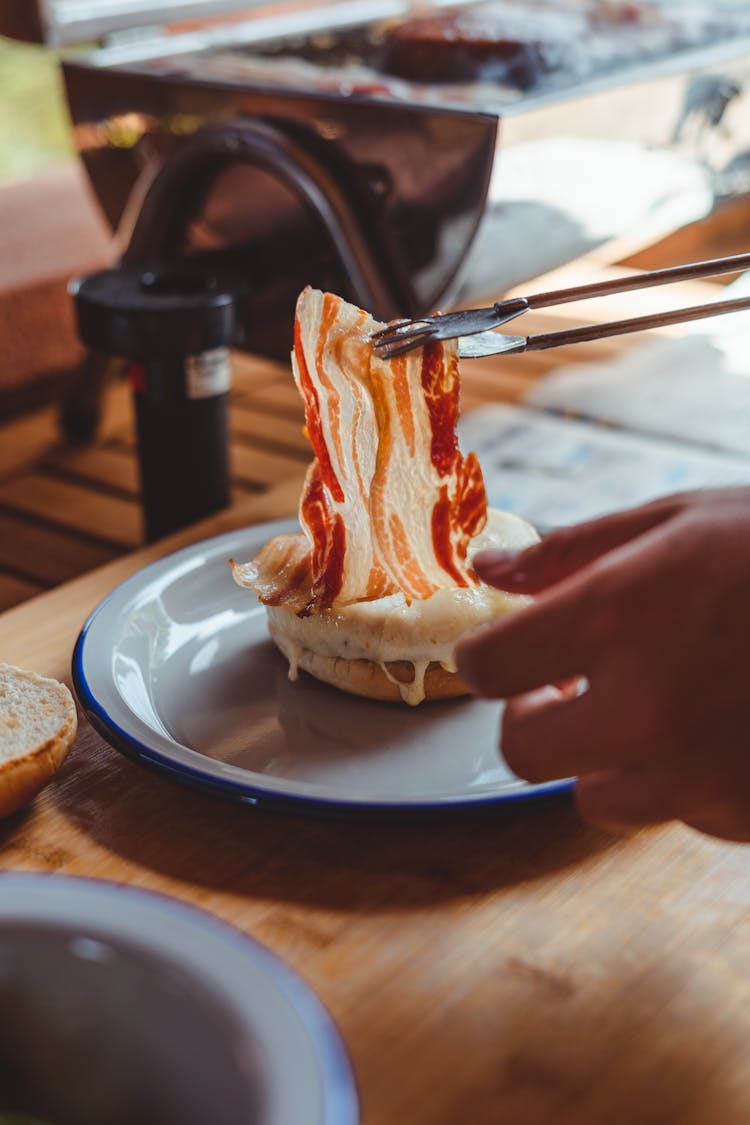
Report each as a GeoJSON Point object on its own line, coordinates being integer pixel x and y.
{"type": "Point", "coordinates": [439, 375]}
{"type": "Point", "coordinates": [326, 527]}
{"type": "Point", "coordinates": [457, 518]}
{"type": "Point", "coordinates": [332, 352]}
{"type": "Point", "coordinates": [280, 573]}
{"type": "Point", "coordinates": [389, 504]}
{"type": "Point", "coordinates": [419, 499]}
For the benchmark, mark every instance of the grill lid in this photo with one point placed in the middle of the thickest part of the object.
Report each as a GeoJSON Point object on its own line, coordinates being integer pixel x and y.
{"type": "Point", "coordinates": [60, 22]}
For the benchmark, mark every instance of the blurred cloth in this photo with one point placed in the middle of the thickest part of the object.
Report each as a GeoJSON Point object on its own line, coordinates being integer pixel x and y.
{"type": "Point", "coordinates": [50, 231]}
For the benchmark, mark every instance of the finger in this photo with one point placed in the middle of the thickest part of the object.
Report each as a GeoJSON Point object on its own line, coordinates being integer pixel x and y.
{"type": "Point", "coordinates": [567, 550]}
{"type": "Point", "coordinates": [536, 645]}
{"type": "Point", "coordinates": [535, 710]}
{"type": "Point", "coordinates": [546, 736]}
{"type": "Point", "coordinates": [710, 792]}
{"type": "Point", "coordinates": [714, 796]}
{"type": "Point", "coordinates": [533, 702]}
{"type": "Point", "coordinates": [571, 687]}
{"type": "Point", "coordinates": [630, 798]}
{"type": "Point", "coordinates": [728, 821]}
{"type": "Point", "coordinates": [569, 629]}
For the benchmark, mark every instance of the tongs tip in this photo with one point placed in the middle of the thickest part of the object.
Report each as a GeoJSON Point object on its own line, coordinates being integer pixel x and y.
{"type": "Point", "coordinates": [394, 327]}
{"type": "Point", "coordinates": [402, 336]}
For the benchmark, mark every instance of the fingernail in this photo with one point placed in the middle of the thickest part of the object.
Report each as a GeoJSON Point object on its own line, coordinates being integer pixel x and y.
{"type": "Point", "coordinates": [532, 701]}
{"type": "Point", "coordinates": [573, 686]}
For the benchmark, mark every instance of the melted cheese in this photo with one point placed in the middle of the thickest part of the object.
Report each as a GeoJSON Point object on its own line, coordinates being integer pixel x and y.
{"type": "Point", "coordinates": [390, 629]}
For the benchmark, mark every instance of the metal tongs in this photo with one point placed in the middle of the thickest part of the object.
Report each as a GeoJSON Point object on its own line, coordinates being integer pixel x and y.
{"type": "Point", "coordinates": [472, 327]}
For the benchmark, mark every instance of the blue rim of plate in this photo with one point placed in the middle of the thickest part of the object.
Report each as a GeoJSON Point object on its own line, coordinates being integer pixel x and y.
{"type": "Point", "coordinates": [341, 1101]}
{"type": "Point", "coordinates": [251, 793]}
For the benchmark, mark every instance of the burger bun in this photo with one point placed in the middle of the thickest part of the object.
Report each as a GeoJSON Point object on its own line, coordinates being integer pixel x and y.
{"type": "Point", "coordinates": [38, 725]}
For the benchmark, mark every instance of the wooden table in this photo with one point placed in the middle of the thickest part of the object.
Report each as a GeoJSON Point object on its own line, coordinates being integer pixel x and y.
{"type": "Point", "coordinates": [506, 966]}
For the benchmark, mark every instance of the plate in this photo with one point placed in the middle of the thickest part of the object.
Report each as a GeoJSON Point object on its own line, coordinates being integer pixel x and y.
{"type": "Point", "coordinates": [112, 995]}
{"type": "Point", "coordinates": [175, 668]}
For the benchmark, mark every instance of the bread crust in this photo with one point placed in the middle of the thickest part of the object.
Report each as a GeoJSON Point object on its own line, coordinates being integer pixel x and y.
{"type": "Point", "coordinates": [367, 678]}
{"type": "Point", "coordinates": [22, 776]}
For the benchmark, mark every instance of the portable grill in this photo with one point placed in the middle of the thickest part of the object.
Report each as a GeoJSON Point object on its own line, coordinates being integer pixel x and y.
{"type": "Point", "coordinates": [250, 152]}
{"type": "Point", "coordinates": [266, 145]}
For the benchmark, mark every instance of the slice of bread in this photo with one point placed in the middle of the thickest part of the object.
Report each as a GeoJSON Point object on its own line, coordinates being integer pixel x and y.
{"type": "Point", "coordinates": [38, 724]}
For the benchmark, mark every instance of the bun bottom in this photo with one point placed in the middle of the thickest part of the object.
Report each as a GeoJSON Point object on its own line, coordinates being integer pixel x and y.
{"type": "Point", "coordinates": [366, 677]}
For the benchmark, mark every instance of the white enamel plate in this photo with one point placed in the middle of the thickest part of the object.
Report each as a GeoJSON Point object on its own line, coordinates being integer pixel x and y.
{"type": "Point", "coordinates": [127, 1006]}
{"type": "Point", "coordinates": [175, 668]}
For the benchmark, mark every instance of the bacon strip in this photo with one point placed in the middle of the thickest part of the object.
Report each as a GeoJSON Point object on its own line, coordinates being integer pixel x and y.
{"type": "Point", "coordinates": [280, 573]}
{"type": "Point", "coordinates": [389, 504]}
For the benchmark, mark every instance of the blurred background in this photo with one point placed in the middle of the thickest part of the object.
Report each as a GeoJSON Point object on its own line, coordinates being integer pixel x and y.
{"type": "Point", "coordinates": [261, 148]}
{"type": "Point", "coordinates": [34, 127]}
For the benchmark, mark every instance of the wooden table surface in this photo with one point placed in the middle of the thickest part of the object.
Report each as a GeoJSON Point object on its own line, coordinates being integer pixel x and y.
{"type": "Point", "coordinates": [505, 966]}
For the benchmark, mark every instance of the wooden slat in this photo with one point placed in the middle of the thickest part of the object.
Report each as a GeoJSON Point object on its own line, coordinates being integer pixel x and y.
{"type": "Point", "coordinates": [272, 430]}
{"type": "Point", "coordinates": [252, 425]}
{"type": "Point", "coordinates": [45, 554]}
{"type": "Point", "coordinates": [724, 230]}
{"type": "Point", "coordinates": [472, 400]}
{"type": "Point", "coordinates": [255, 464]}
{"type": "Point", "coordinates": [27, 439]}
{"type": "Point", "coordinates": [261, 467]}
{"type": "Point", "coordinates": [14, 591]}
{"type": "Point", "coordinates": [123, 437]}
{"type": "Point", "coordinates": [280, 398]}
{"type": "Point", "coordinates": [491, 385]}
{"type": "Point", "coordinates": [62, 503]}
{"type": "Point", "coordinates": [254, 416]}
{"type": "Point", "coordinates": [116, 408]}
{"type": "Point", "coordinates": [111, 466]}
{"type": "Point", "coordinates": [251, 372]}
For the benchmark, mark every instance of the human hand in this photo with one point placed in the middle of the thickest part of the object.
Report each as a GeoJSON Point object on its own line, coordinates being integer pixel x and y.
{"type": "Point", "coordinates": [652, 607]}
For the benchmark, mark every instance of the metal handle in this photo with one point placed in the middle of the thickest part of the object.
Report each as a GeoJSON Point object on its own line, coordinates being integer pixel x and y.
{"type": "Point", "coordinates": [692, 271]}
{"type": "Point", "coordinates": [588, 332]}
{"type": "Point", "coordinates": [187, 174]}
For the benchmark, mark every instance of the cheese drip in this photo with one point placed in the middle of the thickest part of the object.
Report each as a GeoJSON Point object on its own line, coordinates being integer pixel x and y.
{"type": "Point", "coordinates": [391, 631]}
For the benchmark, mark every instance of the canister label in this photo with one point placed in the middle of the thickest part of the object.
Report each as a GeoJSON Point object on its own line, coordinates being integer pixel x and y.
{"type": "Point", "coordinates": [208, 374]}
